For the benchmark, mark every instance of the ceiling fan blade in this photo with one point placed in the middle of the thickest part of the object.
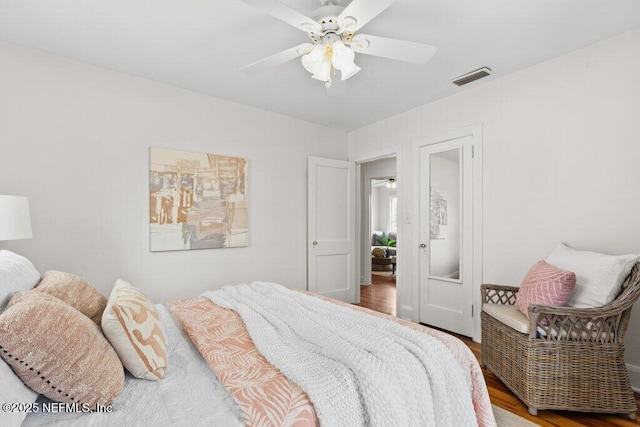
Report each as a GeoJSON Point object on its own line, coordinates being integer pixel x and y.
{"type": "Point", "coordinates": [400, 50]}
{"type": "Point", "coordinates": [277, 59]}
{"type": "Point", "coordinates": [285, 14]}
{"type": "Point", "coordinates": [360, 12]}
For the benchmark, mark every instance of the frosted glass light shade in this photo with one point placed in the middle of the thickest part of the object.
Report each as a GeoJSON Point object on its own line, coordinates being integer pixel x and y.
{"type": "Point", "coordinates": [15, 219]}
{"type": "Point", "coordinates": [349, 71]}
{"type": "Point", "coordinates": [343, 56]}
{"type": "Point", "coordinates": [313, 60]}
{"type": "Point", "coordinates": [324, 73]}
{"type": "Point", "coordinates": [342, 60]}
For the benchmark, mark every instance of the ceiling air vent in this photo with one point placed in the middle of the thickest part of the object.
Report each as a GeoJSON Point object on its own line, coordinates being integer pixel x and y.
{"type": "Point", "coordinates": [472, 76]}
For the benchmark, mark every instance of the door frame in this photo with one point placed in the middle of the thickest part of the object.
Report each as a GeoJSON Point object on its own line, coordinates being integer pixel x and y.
{"type": "Point", "coordinates": [393, 151]}
{"type": "Point", "coordinates": [367, 187]}
{"type": "Point", "coordinates": [475, 131]}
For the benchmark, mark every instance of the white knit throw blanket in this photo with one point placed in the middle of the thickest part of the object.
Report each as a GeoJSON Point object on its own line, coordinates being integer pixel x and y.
{"type": "Point", "coordinates": [357, 369]}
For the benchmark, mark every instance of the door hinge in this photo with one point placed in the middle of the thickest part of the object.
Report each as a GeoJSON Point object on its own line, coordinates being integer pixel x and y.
{"type": "Point", "coordinates": [471, 310]}
{"type": "Point", "coordinates": [473, 151]}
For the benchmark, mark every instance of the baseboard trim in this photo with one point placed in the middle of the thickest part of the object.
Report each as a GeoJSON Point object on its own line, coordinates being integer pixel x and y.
{"type": "Point", "coordinates": [634, 376]}
{"type": "Point", "coordinates": [406, 312]}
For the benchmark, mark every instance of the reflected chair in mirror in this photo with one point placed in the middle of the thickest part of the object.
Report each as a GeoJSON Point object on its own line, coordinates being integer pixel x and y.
{"type": "Point", "coordinates": [565, 358]}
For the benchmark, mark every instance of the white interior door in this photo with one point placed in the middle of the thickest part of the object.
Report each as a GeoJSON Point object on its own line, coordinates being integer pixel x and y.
{"type": "Point", "coordinates": [446, 235]}
{"type": "Point", "coordinates": [331, 229]}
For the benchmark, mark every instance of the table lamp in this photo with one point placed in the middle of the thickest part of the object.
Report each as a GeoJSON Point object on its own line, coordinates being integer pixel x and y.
{"type": "Point", "coordinates": [15, 219]}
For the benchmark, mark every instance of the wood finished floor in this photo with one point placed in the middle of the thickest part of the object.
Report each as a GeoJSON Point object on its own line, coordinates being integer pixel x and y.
{"type": "Point", "coordinates": [381, 296]}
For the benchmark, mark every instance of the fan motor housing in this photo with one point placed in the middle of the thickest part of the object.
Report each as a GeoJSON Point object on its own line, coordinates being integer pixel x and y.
{"type": "Point", "coordinates": [330, 38]}
{"type": "Point", "coordinates": [327, 16]}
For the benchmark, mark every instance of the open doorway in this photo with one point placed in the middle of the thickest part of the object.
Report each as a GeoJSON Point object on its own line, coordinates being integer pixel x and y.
{"type": "Point", "coordinates": [383, 210]}
{"type": "Point", "coordinates": [379, 241]}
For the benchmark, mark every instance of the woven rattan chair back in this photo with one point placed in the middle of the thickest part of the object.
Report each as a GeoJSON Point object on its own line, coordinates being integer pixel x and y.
{"type": "Point", "coordinates": [571, 359]}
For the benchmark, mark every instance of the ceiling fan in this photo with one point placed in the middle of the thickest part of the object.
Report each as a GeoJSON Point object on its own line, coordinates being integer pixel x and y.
{"type": "Point", "coordinates": [334, 38]}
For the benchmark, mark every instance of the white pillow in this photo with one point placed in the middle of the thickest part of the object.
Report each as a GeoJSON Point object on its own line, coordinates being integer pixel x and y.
{"type": "Point", "coordinates": [13, 391]}
{"type": "Point", "coordinates": [598, 276]}
{"type": "Point", "coordinates": [17, 274]}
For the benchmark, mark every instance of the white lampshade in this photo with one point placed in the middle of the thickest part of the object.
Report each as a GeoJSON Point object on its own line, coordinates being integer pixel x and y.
{"type": "Point", "coordinates": [15, 219]}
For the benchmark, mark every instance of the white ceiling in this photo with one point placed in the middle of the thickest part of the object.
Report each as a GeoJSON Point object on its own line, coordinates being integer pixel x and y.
{"type": "Point", "coordinates": [200, 45]}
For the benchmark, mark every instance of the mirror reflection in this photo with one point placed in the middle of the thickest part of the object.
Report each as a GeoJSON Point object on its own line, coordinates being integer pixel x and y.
{"type": "Point", "coordinates": [444, 214]}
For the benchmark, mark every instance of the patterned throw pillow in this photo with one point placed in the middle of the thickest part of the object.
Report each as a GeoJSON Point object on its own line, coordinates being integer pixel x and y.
{"type": "Point", "coordinates": [546, 285]}
{"type": "Point", "coordinates": [58, 352]}
{"type": "Point", "coordinates": [17, 274]}
{"type": "Point", "coordinates": [74, 291]}
{"type": "Point", "coordinates": [131, 323]}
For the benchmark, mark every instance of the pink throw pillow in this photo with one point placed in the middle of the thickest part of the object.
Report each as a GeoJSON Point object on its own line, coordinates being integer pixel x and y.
{"type": "Point", "coordinates": [546, 285]}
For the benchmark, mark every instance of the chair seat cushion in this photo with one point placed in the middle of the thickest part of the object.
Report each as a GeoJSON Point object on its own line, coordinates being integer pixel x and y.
{"type": "Point", "coordinates": [509, 315]}
{"type": "Point", "coordinates": [512, 317]}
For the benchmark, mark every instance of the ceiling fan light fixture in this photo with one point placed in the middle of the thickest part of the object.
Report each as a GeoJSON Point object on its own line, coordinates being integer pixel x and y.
{"type": "Point", "coordinates": [324, 72]}
{"type": "Point", "coordinates": [334, 41]}
{"type": "Point", "coordinates": [392, 183]}
{"type": "Point", "coordinates": [313, 61]}
{"type": "Point", "coordinates": [342, 57]}
{"type": "Point", "coordinates": [349, 71]}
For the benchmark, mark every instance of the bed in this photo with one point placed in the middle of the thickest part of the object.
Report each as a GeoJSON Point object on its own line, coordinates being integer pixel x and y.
{"type": "Point", "coordinates": [262, 354]}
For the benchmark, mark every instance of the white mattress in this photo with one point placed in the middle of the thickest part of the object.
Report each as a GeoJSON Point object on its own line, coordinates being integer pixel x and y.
{"type": "Point", "coordinates": [190, 394]}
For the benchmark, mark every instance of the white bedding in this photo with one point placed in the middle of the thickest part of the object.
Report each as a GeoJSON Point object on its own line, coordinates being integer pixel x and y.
{"type": "Point", "coordinates": [190, 394]}
{"type": "Point", "coordinates": [357, 369]}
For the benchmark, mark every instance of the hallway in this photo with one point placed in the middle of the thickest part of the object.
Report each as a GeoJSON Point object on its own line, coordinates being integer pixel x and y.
{"type": "Point", "coordinates": [380, 295]}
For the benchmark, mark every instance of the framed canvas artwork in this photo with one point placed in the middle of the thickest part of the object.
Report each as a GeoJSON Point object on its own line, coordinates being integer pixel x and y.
{"type": "Point", "coordinates": [197, 200]}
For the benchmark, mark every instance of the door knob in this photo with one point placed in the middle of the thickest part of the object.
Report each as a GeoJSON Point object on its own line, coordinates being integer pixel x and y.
{"type": "Point", "coordinates": [314, 243]}
{"type": "Point", "coordinates": [422, 246]}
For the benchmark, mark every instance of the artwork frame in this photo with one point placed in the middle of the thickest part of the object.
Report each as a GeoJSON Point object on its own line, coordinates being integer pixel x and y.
{"type": "Point", "coordinates": [438, 220]}
{"type": "Point", "coordinates": [197, 200]}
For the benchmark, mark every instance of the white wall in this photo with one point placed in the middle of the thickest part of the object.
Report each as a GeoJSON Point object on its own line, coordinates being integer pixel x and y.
{"type": "Point", "coordinates": [375, 209]}
{"type": "Point", "coordinates": [561, 148]}
{"type": "Point", "coordinates": [383, 207]}
{"type": "Point", "coordinates": [75, 139]}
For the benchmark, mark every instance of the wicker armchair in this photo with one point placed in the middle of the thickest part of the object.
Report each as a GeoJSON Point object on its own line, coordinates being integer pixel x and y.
{"type": "Point", "coordinates": [571, 359]}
